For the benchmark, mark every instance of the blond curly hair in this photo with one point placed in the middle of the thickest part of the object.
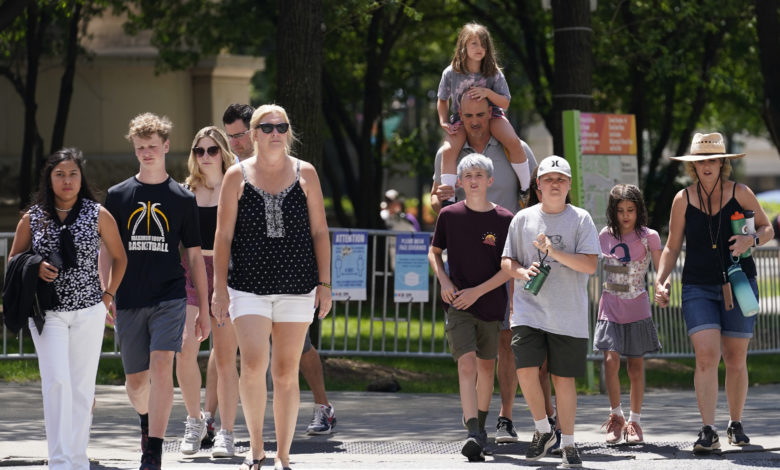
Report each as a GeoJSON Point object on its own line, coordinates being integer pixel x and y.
{"type": "Point", "coordinates": [147, 124]}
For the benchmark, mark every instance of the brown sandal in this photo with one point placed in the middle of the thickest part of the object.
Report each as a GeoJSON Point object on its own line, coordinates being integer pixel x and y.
{"type": "Point", "coordinates": [249, 463]}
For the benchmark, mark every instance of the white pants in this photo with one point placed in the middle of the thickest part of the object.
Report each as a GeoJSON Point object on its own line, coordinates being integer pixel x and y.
{"type": "Point", "coordinates": [68, 354]}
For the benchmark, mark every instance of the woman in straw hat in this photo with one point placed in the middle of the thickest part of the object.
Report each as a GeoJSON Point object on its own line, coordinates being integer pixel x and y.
{"type": "Point", "coordinates": [701, 215]}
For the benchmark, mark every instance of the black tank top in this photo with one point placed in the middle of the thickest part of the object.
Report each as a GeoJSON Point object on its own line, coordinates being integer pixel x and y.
{"type": "Point", "coordinates": [701, 261]}
{"type": "Point", "coordinates": [208, 226]}
{"type": "Point", "coordinates": [272, 250]}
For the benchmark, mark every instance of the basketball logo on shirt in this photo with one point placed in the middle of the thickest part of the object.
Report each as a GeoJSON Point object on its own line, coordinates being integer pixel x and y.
{"type": "Point", "coordinates": [489, 239]}
{"type": "Point", "coordinates": [144, 216]}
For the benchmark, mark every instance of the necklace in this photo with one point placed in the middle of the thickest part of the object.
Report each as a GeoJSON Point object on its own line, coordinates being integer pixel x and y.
{"type": "Point", "coordinates": [63, 210]}
{"type": "Point", "coordinates": [708, 212]}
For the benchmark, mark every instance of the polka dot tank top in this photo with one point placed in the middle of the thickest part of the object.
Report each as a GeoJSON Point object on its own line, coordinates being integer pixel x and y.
{"type": "Point", "coordinates": [272, 250]}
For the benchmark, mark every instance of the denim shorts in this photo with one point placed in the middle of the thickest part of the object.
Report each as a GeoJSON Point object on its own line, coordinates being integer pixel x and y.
{"type": "Point", "coordinates": [703, 309]}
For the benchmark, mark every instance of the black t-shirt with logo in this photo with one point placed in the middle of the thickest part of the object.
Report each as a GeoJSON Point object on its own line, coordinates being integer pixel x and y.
{"type": "Point", "coordinates": [474, 242]}
{"type": "Point", "coordinates": [152, 220]}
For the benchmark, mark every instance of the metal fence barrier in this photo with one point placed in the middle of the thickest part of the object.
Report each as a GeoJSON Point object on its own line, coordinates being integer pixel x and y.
{"type": "Point", "coordinates": [380, 327]}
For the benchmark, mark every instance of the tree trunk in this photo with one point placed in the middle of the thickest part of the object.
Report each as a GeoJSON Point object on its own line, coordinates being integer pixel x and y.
{"type": "Point", "coordinates": [573, 83]}
{"type": "Point", "coordinates": [768, 28]}
{"type": "Point", "coordinates": [299, 73]}
{"type": "Point", "coordinates": [66, 84]}
{"type": "Point", "coordinates": [37, 21]}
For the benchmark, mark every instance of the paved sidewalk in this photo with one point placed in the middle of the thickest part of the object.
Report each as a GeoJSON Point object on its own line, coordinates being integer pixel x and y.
{"type": "Point", "coordinates": [381, 431]}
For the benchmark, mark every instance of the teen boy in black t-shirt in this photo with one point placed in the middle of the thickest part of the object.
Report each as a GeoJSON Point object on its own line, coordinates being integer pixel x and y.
{"type": "Point", "coordinates": [154, 215]}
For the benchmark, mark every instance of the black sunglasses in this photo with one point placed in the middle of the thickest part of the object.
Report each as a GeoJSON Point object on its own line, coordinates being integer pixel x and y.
{"type": "Point", "coordinates": [200, 151]}
{"type": "Point", "coordinates": [267, 127]}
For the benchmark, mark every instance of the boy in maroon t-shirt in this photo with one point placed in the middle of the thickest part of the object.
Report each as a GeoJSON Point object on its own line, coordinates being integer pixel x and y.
{"type": "Point", "coordinates": [473, 232]}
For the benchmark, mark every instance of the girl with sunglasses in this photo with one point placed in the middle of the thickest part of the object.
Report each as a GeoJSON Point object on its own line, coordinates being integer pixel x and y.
{"type": "Point", "coordinates": [209, 158]}
{"type": "Point", "coordinates": [271, 230]}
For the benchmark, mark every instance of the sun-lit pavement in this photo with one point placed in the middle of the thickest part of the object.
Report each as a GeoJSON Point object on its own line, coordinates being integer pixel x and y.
{"type": "Point", "coordinates": [408, 431]}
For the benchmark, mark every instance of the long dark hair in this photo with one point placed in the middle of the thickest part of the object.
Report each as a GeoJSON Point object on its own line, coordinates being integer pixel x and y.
{"type": "Point", "coordinates": [45, 195]}
{"type": "Point", "coordinates": [630, 193]}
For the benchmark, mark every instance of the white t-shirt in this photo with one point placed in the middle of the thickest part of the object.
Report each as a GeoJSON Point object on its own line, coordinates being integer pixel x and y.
{"type": "Point", "coordinates": [561, 306]}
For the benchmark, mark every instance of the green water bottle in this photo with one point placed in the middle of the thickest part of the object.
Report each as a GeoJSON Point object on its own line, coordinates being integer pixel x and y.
{"type": "Point", "coordinates": [739, 227]}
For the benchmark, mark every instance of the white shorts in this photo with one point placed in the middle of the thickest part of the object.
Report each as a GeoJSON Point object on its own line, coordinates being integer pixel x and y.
{"type": "Point", "coordinates": [276, 307]}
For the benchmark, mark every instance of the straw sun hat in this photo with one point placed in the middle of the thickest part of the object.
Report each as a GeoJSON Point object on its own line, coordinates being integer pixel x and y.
{"type": "Point", "coordinates": [706, 146]}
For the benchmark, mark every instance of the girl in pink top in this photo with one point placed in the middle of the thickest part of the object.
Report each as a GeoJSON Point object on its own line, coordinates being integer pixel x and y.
{"type": "Point", "coordinates": [624, 325]}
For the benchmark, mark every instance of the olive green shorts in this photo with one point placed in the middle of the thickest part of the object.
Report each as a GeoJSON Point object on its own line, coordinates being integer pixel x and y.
{"type": "Point", "coordinates": [466, 333]}
{"type": "Point", "coordinates": [566, 355]}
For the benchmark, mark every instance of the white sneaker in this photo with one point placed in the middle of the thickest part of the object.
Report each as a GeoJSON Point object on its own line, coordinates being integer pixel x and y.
{"type": "Point", "coordinates": [194, 432]}
{"type": "Point", "coordinates": [223, 444]}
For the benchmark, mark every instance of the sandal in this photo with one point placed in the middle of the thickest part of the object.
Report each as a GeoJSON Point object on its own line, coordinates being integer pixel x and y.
{"type": "Point", "coordinates": [249, 463]}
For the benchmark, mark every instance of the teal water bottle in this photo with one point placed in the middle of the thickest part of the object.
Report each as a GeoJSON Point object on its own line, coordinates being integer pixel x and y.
{"type": "Point", "coordinates": [742, 291]}
{"type": "Point", "coordinates": [739, 227]}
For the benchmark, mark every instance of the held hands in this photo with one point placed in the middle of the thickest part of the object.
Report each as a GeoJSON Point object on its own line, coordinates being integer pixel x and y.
{"type": "Point", "coordinates": [740, 244]}
{"type": "Point", "coordinates": [478, 93]}
{"type": "Point", "coordinates": [444, 192]}
{"type": "Point", "coordinates": [202, 325]}
{"type": "Point", "coordinates": [47, 272]}
{"type": "Point", "coordinates": [220, 301]}
{"type": "Point", "coordinates": [108, 301]}
{"type": "Point", "coordinates": [662, 293]}
{"type": "Point", "coordinates": [323, 301]}
{"type": "Point", "coordinates": [543, 244]}
{"type": "Point", "coordinates": [460, 299]}
{"type": "Point", "coordinates": [449, 128]}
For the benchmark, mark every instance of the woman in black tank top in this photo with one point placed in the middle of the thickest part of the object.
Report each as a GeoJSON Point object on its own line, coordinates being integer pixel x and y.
{"type": "Point", "coordinates": [209, 159]}
{"type": "Point", "coordinates": [272, 232]}
{"type": "Point", "coordinates": [701, 214]}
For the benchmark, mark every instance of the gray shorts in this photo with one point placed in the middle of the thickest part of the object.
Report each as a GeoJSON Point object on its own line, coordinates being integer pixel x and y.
{"type": "Point", "coordinates": [143, 330]}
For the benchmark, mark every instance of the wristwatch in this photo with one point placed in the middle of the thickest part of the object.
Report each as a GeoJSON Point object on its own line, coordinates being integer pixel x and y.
{"type": "Point", "coordinates": [755, 240]}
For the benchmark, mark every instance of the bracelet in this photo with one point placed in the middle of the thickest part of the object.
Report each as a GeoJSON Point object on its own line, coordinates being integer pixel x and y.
{"type": "Point", "coordinates": [325, 284]}
{"type": "Point", "coordinates": [109, 293]}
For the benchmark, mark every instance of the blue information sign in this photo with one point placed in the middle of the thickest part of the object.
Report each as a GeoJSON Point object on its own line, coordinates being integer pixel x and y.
{"type": "Point", "coordinates": [350, 252]}
{"type": "Point", "coordinates": [411, 267]}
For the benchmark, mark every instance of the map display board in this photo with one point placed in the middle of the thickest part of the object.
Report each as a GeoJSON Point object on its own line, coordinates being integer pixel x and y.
{"type": "Point", "coordinates": [602, 151]}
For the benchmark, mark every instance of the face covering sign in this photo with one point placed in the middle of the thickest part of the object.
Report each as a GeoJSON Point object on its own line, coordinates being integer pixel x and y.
{"type": "Point", "coordinates": [411, 267]}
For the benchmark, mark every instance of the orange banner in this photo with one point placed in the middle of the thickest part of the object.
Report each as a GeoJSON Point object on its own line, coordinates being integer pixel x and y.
{"type": "Point", "coordinates": [607, 134]}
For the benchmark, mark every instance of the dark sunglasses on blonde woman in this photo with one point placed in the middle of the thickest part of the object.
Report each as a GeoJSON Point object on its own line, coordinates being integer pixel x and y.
{"type": "Point", "coordinates": [267, 127]}
{"type": "Point", "coordinates": [200, 151]}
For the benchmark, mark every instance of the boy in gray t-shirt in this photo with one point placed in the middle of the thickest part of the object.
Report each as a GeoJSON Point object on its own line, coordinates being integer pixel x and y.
{"type": "Point", "coordinates": [552, 325]}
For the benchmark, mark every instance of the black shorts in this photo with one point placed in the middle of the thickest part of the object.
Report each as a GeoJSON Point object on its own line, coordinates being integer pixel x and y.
{"type": "Point", "coordinates": [566, 356]}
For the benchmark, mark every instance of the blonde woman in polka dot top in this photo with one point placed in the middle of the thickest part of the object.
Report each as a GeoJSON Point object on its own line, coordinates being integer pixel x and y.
{"type": "Point", "coordinates": [271, 272]}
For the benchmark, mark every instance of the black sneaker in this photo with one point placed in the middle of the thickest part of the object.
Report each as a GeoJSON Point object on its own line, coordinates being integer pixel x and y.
{"type": "Point", "coordinates": [736, 435]}
{"type": "Point", "coordinates": [570, 457]}
{"type": "Point", "coordinates": [707, 441]}
{"type": "Point", "coordinates": [150, 461]}
{"type": "Point", "coordinates": [473, 447]}
{"type": "Point", "coordinates": [540, 444]}
{"type": "Point", "coordinates": [505, 431]}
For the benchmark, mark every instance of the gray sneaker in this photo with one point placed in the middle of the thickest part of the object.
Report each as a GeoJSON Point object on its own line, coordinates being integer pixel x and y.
{"type": "Point", "coordinates": [570, 458]}
{"type": "Point", "coordinates": [505, 431]}
{"type": "Point", "coordinates": [223, 444]}
{"type": "Point", "coordinates": [540, 444]}
{"type": "Point", "coordinates": [194, 432]}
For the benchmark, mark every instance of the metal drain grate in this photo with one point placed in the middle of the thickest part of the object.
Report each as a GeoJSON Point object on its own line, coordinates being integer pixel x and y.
{"type": "Point", "coordinates": [333, 445]}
